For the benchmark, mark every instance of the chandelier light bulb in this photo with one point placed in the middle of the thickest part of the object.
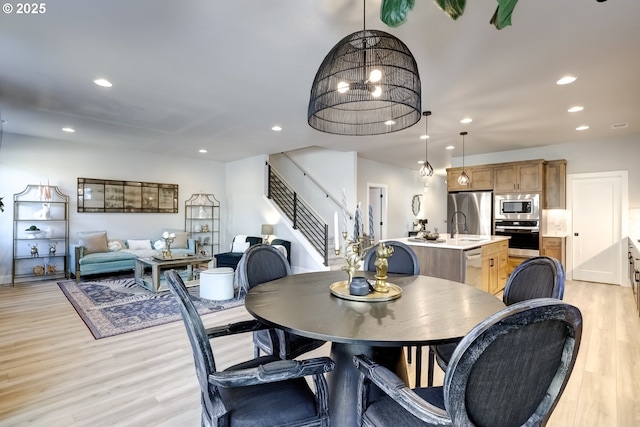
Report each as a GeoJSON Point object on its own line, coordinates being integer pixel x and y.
{"type": "Point", "coordinates": [377, 92]}
{"type": "Point", "coordinates": [343, 87]}
{"type": "Point", "coordinates": [375, 76]}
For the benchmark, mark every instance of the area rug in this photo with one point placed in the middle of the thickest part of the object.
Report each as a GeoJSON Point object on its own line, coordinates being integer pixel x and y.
{"type": "Point", "coordinates": [116, 306]}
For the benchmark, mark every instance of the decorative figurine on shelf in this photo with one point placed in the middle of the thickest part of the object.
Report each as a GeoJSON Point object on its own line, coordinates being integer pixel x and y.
{"type": "Point", "coordinates": [51, 268]}
{"type": "Point", "coordinates": [168, 240]}
{"type": "Point", "coordinates": [205, 228]}
{"type": "Point", "coordinates": [44, 212]}
{"type": "Point", "coordinates": [34, 250]}
{"type": "Point", "coordinates": [383, 252]}
{"type": "Point", "coordinates": [52, 248]}
{"type": "Point", "coordinates": [202, 213]}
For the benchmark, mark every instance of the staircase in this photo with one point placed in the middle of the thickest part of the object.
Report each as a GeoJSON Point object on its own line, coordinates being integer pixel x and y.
{"type": "Point", "coordinates": [303, 217]}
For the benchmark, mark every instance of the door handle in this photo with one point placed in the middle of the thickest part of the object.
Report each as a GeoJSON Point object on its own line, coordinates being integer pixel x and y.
{"type": "Point", "coordinates": [576, 234]}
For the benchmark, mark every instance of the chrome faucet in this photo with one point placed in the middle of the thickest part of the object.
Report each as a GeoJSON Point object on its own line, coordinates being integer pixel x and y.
{"type": "Point", "coordinates": [454, 224]}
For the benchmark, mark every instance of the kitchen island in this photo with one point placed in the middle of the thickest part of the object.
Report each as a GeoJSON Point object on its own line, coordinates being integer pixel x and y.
{"type": "Point", "coordinates": [480, 261]}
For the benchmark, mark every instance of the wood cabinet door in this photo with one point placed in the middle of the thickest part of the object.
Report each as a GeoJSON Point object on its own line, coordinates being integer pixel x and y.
{"type": "Point", "coordinates": [505, 179]}
{"type": "Point", "coordinates": [530, 178]}
{"type": "Point", "coordinates": [481, 178]}
{"type": "Point", "coordinates": [555, 185]}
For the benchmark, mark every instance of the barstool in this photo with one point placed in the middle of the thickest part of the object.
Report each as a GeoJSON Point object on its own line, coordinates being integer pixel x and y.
{"type": "Point", "coordinates": [217, 284]}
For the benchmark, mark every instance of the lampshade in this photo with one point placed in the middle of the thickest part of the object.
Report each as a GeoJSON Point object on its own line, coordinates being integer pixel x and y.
{"type": "Point", "coordinates": [426, 170]}
{"type": "Point", "coordinates": [368, 84]}
{"type": "Point", "coordinates": [267, 229]}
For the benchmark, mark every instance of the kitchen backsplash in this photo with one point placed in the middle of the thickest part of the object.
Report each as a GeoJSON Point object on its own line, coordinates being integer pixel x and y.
{"type": "Point", "coordinates": [554, 222]}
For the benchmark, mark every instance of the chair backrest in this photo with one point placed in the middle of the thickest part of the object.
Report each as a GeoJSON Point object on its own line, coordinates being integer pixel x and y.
{"type": "Point", "coordinates": [537, 277]}
{"type": "Point", "coordinates": [202, 354]}
{"type": "Point", "coordinates": [261, 263]}
{"type": "Point", "coordinates": [284, 243]}
{"type": "Point", "coordinates": [512, 368]}
{"type": "Point", "coordinates": [403, 261]}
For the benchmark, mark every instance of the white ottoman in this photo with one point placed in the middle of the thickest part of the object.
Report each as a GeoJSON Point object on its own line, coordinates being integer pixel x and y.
{"type": "Point", "coordinates": [216, 283]}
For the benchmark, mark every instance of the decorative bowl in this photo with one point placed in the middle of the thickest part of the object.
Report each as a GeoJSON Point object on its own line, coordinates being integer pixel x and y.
{"type": "Point", "coordinates": [431, 236]}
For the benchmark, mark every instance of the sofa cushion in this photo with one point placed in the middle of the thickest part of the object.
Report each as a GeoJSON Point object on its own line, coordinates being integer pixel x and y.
{"type": "Point", "coordinates": [93, 242]}
{"type": "Point", "coordinates": [102, 257]}
{"type": "Point", "coordinates": [135, 245]}
{"type": "Point", "coordinates": [115, 245]}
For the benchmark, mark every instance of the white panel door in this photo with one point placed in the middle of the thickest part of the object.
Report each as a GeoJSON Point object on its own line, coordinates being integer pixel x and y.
{"type": "Point", "coordinates": [596, 208]}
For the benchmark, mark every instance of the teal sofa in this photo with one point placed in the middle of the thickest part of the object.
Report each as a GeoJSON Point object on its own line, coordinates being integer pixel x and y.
{"type": "Point", "coordinates": [87, 258]}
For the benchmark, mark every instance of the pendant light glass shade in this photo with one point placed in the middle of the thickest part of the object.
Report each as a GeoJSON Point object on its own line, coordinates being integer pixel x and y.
{"type": "Point", "coordinates": [368, 84]}
{"type": "Point", "coordinates": [463, 179]}
{"type": "Point", "coordinates": [426, 170]}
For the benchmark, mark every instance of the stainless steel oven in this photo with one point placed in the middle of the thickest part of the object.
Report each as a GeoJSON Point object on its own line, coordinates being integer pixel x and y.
{"type": "Point", "coordinates": [524, 236]}
{"type": "Point", "coordinates": [517, 206]}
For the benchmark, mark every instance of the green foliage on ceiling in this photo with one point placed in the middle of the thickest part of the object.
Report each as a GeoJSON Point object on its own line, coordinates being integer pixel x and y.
{"type": "Point", "coordinates": [394, 12]}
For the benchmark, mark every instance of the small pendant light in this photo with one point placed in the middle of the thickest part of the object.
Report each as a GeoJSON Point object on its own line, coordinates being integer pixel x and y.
{"type": "Point", "coordinates": [463, 179]}
{"type": "Point", "coordinates": [426, 170]}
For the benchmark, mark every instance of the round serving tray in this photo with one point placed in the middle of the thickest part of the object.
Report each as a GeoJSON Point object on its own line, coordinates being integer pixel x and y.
{"type": "Point", "coordinates": [341, 290]}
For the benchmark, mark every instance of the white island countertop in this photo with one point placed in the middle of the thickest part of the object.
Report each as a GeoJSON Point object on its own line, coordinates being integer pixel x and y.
{"type": "Point", "coordinates": [460, 241]}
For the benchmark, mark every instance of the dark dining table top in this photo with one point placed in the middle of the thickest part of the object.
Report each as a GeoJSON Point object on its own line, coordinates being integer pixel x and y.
{"type": "Point", "coordinates": [429, 311]}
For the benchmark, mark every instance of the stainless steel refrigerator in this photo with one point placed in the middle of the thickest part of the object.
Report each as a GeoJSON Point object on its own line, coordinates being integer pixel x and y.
{"type": "Point", "coordinates": [473, 209]}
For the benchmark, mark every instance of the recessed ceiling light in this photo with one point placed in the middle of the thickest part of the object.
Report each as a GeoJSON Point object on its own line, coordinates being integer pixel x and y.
{"type": "Point", "coordinates": [583, 127]}
{"type": "Point", "coordinates": [575, 109]}
{"type": "Point", "coordinates": [202, 150]}
{"type": "Point", "coordinates": [276, 128]}
{"type": "Point", "coordinates": [420, 162]}
{"type": "Point", "coordinates": [424, 136]}
{"type": "Point", "coordinates": [619, 125]}
{"type": "Point", "coordinates": [390, 122]}
{"type": "Point", "coordinates": [450, 147]}
{"type": "Point", "coordinates": [103, 82]}
{"type": "Point", "coordinates": [566, 80]}
{"type": "Point", "coordinates": [466, 120]}
{"type": "Point", "coordinates": [68, 129]}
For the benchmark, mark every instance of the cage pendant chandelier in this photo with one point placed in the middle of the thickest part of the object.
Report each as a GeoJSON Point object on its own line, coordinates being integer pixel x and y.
{"type": "Point", "coordinates": [426, 170]}
{"type": "Point", "coordinates": [368, 84]}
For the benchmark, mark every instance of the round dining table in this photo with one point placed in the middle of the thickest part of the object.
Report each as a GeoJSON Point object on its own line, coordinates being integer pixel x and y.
{"type": "Point", "coordinates": [429, 311]}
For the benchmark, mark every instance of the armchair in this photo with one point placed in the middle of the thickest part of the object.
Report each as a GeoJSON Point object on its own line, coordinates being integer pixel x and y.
{"type": "Point", "coordinates": [261, 392]}
{"type": "Point", "coordinates": [239, 244]}
{"type": "Point", "coordinates": [510, 370]}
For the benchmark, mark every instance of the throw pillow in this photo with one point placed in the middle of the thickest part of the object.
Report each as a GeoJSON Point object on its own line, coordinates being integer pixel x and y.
{"type": "Point", "coordinates": [93, 242]}
{"type": "Point", "coordinates": [239, 246]}
{"type": "Point", "coordinates": [180, 241]}
{"type": "Point", "coordinates": [114, 245]}
{"type": "Point", "coordinates": [136, 245]}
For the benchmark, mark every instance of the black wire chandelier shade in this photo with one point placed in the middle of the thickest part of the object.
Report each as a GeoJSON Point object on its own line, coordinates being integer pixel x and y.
{"type": "Point", "coordinates": [368, 84]}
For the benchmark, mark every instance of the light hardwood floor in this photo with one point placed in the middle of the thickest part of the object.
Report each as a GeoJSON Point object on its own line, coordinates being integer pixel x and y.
{"type": "Point", "coordinates": [53, 373]}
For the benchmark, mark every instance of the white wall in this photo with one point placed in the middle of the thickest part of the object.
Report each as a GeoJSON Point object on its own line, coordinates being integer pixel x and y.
{"type": "Point", "coordinates": [402, 184]}
{"type": "Point", "coordinates": [246, 188]}
{"type": "Point", "coordinates": [28, 160]}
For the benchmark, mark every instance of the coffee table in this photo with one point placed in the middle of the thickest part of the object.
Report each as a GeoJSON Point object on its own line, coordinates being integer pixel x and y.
{"type": "Point", "coordinates": [149, 271]}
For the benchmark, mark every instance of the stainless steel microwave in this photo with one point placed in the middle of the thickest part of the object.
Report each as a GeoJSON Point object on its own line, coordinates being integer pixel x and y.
{"type": "Point", "coordinates": [517, 206]}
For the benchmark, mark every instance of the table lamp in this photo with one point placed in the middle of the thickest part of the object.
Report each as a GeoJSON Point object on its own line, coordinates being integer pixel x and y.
{"type": "Point", "coordinates": [267, 230]}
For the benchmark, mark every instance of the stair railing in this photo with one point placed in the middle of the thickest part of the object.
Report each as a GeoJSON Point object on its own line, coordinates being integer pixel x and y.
{"type": "Point", "coordinates": [306, 220]}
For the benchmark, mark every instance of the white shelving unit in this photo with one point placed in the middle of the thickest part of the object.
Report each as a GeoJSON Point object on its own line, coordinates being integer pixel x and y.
{"type": "Point", "coordinates": [202, 222]}
{"type": "Point", "coordinates": [40, 234]}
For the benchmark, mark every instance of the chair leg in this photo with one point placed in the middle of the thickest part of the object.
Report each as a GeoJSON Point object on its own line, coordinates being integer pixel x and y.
{"type": "Point", "coordinates": [431, 362]}
{"type": "Point", "coordinates": [418, 365]}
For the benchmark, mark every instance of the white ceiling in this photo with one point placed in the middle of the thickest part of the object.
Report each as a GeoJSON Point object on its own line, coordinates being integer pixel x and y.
{"type": "Point", "coordinates": [219, 74]}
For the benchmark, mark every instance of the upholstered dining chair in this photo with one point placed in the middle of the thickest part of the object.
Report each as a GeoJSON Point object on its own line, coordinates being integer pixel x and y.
{"type": "Point", "coordinates": [510, 370]}
{"type": "Point", "coordinates": [263, 263]}
{"type": "Point", "coordinates": [537, 277]}
{"type": "Point", "coordinates": [262, 392]}
{"type": "Point", "coordinates": [403, 261]}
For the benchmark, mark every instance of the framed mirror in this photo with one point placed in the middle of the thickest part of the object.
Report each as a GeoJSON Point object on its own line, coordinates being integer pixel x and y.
{"type": "Point", "coordinates": [415, 204]}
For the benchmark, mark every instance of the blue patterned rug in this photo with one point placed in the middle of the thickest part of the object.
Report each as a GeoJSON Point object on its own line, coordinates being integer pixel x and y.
{"type": "Point", "coordinates": [116, 306]}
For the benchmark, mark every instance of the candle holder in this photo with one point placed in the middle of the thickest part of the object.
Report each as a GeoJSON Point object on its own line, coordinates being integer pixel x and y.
{"type": "Point", "coordinates": [383, 253]}
{"type": "Point", "coordinates": [353, 251]}
{"type": "Point", "coordinates": [168, 240]}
